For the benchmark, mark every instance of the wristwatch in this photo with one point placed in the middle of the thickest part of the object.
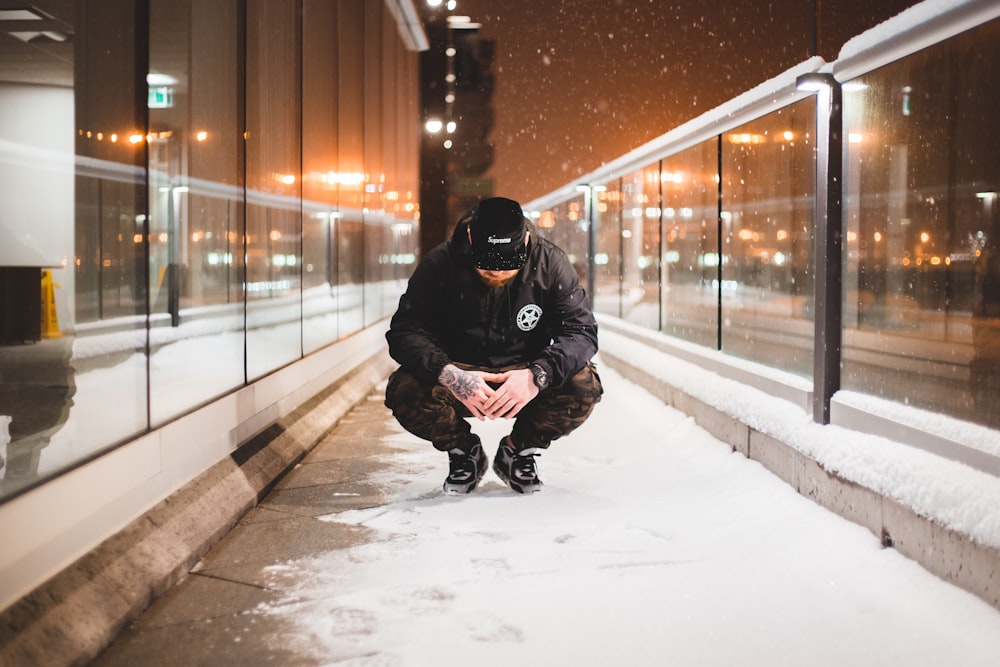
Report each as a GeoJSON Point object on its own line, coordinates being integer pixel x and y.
{"type": "Point", "coordinates": [541, 376]}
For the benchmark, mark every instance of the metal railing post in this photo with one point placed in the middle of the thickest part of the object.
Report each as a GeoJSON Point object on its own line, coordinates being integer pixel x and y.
{"type": "Point", "coordinates": [828, 239]}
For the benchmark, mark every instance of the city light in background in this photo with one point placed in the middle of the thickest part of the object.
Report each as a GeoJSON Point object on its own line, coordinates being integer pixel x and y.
{"type": "Point", "coordinates": [580, 83]}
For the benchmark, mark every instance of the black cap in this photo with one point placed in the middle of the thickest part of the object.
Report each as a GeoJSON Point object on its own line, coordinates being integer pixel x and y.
{"type": "Point", "coordinates": [497, 231]}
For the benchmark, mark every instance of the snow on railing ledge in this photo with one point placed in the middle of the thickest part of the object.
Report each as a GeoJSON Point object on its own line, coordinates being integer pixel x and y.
{"type": "Point", "coordinates": [910, 31]}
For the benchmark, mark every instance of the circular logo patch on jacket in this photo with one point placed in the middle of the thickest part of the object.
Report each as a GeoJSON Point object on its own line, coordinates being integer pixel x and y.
{"type": "Point", "coordinates": [528, 317]}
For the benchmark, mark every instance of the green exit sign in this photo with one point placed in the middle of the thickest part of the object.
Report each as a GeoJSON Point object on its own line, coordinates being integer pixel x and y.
{"type": "Point", "coordinates": [160, 97]}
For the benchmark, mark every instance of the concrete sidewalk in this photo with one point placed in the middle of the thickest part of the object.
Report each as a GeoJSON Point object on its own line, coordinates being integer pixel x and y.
{"type": "Point", "coordinates": [208, 619]}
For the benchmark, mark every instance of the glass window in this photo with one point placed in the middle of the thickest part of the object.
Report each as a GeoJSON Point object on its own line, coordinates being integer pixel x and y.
{"type": "Point", "coordinates": [273, 175]}
{"type": "Point", "coordinates": [72, 240]}
{"type": "Point", "coordinates": [401, 196]}
{"type": "Point", "coordinates": [768, 186]}
{"type": "Point", "coordinates": [372, 155]}
{"type": "Point", "coordinates": [396, 231]}
{"type": "Point", "coordinates": [349, 227]}
{"type": "Point", "coordinates": [168, 220]}
{"type": "Point", "coordinates": [922, 310]}
{"type": "Point", "coordinates": [321, 175]}
{"type": "Point", "coordinates": [195, 205]}
{"type": "Point", "coordinates": [109, 283]}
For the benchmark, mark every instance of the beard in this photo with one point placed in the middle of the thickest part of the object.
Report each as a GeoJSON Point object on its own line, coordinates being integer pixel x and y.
{"type": "Point", "coordinates": [496, 282]}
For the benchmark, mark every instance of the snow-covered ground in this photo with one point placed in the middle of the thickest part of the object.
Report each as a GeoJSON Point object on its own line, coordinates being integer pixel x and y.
{"type": "Point", "coordinates": [651, 544]}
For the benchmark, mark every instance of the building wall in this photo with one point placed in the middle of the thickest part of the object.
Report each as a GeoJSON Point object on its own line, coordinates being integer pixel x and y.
{"type": "Point", "coordinates": [226, 198]}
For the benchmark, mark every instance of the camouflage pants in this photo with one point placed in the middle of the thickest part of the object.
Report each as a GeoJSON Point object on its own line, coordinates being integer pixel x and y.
{"type": "Point", "coordinates": [431, 412]}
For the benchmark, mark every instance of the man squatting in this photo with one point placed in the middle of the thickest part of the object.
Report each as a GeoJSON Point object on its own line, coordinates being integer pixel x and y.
{"type": "Point", "coordinates": [494, 324]}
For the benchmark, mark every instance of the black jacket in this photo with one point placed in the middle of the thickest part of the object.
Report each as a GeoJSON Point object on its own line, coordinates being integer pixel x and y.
{"type": "Point", "coordinates": [448, 315]}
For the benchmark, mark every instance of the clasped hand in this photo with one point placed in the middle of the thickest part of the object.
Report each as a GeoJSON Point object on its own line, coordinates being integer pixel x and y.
{"type": "Point", "coordinates": [516, 389]}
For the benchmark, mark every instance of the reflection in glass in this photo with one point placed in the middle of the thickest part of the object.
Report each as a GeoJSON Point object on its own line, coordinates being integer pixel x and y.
{"type": "Point", "coordinates": [922, 310]}
{"type": "Point", "coordinates": [166, 208]}
{"type": "Point", "coordinates": [273, 213]}
{"type": "Point", "coordinates": [72, 224]}
{"type": "Point", "coordinates": [691, 241]}
{"type": "Point", "coordinates": [566, 225]}
{"type": "Point", "coordinates": [767, 194]}
{"type": "Point", "coordinates": [110, 254]}
{"type": "Point", "coordinates": [607, 220]}
{"type": "Point", "coordinates": [353, 179]}
{"type": "Point", "coordinates": [921, 318]}
{"type": "Point", "coordinates": [321, 177]}
{"type": "Point", "coordinates": [373, 201]}
{"type": "Point", "coordinates": [195, 206]}
{"type": "Point", "coordinates": [640, 247]}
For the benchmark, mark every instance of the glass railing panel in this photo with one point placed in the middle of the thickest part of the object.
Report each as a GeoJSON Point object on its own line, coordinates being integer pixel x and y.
{"type": "Point", "coordinates": [606, 215]}
{"type": "Point", "coordinates": [640, 247]}
{"type": "Point", "coordinates": [768, 186]}
{"type": "Point", "coordinates": [566, 225]}
{"type": "Point", "coordinates": [922, 297]}
{"type": "Point", "coordinates": [691, 243]}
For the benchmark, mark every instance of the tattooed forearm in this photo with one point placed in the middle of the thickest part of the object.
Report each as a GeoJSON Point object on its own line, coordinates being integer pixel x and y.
{"type": "Point", "coordinates": [462, 384]}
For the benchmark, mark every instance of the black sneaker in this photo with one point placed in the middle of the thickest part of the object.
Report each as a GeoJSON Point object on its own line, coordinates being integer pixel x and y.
{"type": "Point", "coordinates": [467, 468]}
{"type": "Point", "coordinates": [517, 468]}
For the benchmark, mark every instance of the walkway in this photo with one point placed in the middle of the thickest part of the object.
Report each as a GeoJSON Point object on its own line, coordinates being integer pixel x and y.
{"type": "Point", "coordinates": [651, 544]}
